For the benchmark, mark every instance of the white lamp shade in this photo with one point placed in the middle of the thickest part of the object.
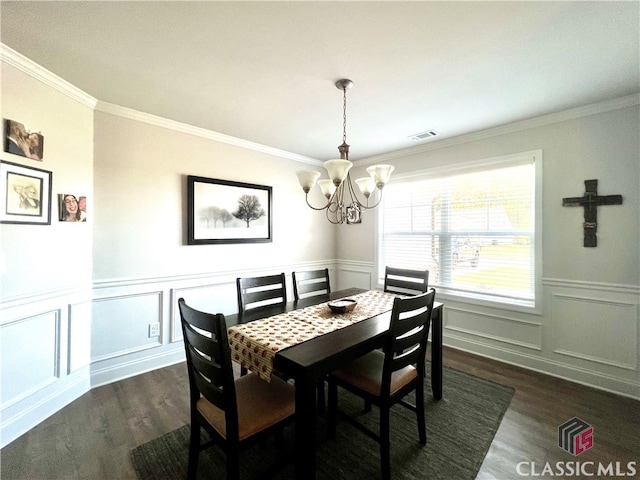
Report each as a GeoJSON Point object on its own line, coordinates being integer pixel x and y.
{"type": "Point", "coordinates": [338, 170]}
{"type": "Point", "coordinates": [327, 187]}
{"type": "Point", "coordinates": [307, 179]}
{"type": "Point", "coordinates": [366, 185]}
{"type": "Point", "coordinates": [380, 174]}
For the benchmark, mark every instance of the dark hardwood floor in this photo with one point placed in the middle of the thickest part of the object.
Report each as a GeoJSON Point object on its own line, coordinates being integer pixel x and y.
{"type": "Point", "coordinates": [92, 437]}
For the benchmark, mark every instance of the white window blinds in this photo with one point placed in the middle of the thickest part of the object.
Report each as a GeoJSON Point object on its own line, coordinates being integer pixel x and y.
{"type": "Point", "coordinates": [473, 231]}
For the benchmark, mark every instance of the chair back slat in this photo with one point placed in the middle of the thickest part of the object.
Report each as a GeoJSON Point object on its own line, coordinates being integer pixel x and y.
{"type": "Point", "coordinates": [208, 359]}
{"type": "Point", "coordinates": [205, 344]}
{"type": "Point", "coordinates": [311, 283]}
{"type": "Point", "coordinates": [213, 372]}
{"type": "Point", "coordinates": [406, 357]}
{"type": "Point", "coordinates": [256, 292]}
{"type": "Point", "coordinates": [405, 281]}
{"type": "Point", "coordinates": [406, 343]}
{"type": "Point", "coordinates": [208, 386]}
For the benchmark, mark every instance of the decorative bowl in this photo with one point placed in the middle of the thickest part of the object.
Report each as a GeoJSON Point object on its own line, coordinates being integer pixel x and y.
{"type": "Point", "coordinates": [343, 305]}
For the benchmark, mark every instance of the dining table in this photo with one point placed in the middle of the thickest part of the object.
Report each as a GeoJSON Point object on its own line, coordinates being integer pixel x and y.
{"type": "Point", "coordinates": [313, 358]}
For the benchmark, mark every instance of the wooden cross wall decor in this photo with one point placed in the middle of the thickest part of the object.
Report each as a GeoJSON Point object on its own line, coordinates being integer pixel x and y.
{"type": "Point", "coordinates": [591, 201]}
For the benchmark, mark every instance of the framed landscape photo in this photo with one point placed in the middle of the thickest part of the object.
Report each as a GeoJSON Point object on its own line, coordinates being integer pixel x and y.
{"type": "Point", "coordinates": [25, 194]}
{"type": "Point", "coordinates": [222, 211]}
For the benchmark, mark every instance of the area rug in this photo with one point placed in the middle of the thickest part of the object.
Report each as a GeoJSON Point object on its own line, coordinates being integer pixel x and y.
{"type": "Point", "coordinates": [460, 429]}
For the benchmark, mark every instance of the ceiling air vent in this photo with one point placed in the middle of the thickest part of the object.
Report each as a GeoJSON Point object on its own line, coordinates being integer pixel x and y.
{"type": "Point", "coordinates": [424, 135]}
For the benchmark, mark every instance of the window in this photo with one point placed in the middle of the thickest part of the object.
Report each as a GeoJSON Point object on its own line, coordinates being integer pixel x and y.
{"type": "Point", "coordinates": [473, 229]}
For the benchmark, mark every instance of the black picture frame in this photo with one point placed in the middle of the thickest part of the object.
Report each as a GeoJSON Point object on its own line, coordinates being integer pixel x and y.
{"type": "Point", "coordinates": [26, 194]}
{"type": "Point", "coordinates": [223, 211]}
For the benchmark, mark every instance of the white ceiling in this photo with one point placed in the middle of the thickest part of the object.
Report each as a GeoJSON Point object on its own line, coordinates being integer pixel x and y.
{"type": "Point", "coordinates": [265, 71]}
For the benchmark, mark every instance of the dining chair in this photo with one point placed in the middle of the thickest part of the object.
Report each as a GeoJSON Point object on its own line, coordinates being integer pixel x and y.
{"type": "Point", "coordinates": [311, 283]}
{"type": "Point", "coordinates": [254, 292]}
{"type": "Point", "coordinates": [308, 284]}
{"type": "Point", "coordinates": [235, 413]}
{"type": "Point", "coordinates": [386, 378]}
{"type": "Point", "coordinates": [405, 281]}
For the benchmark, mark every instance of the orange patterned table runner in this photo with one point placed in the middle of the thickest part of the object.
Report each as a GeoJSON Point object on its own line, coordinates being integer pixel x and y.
{"type": "Point", "coordinates": [254, 345]}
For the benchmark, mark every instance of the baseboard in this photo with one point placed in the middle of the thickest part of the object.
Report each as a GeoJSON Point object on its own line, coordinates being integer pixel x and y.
{"type": "Point", "coordinates": [131, 368]}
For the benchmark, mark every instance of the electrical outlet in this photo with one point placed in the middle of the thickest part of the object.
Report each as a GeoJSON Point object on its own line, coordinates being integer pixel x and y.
{"type": "Point", "coordinates": [154, 330]}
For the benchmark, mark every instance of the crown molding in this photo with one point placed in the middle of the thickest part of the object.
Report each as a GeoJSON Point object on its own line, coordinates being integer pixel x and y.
{"type": "Point", "coordinates": [31, 68]}
{"type": "Point", "coordinates": [584, 111]}
{"type": "Point", "coordinates": [199, 132]}
{"type": "Point", "coordinates": [40, 73]}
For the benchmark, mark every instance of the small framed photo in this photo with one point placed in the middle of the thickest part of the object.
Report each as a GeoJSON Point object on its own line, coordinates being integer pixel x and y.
{"type": "Point", "coordinates": [26, 194]}
{"type": "Point", "coordinates": [72, 208]}
{"type": "Point", "coordinates": [221, 211]}
{"type": "Point", "coordinates": [20, 141]}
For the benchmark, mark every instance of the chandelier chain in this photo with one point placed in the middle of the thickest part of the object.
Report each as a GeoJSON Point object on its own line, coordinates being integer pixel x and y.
{"type": "Point", "coordinates": [344, 115]}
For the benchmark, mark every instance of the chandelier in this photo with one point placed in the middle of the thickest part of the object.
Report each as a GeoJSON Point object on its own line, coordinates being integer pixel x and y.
{"type": "Point", "coordinates": [343, 205]}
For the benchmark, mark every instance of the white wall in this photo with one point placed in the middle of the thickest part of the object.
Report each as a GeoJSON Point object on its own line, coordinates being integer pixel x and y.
{"type": "Point", "coordinates": [77, 299]}
{"type": "Point", "coordinates": [142, 263]}
{"type": "Point", "coordinates": [588, 327]}
{"type": "Point", "coordinates": [46, 289]}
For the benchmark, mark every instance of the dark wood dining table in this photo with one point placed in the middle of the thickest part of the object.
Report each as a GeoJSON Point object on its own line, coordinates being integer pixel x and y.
{"type": "Point", "coordinates": [308, 361]}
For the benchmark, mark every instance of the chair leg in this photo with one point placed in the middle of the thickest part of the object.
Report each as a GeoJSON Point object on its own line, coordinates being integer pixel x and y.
{"type": "Point", "coordinates": [367, 406]}
{"type": "Point", "coordinates": [194, 450]}
{"type": "Point", "coordinates": [422, 431]}
{"type": "Point", "coordinates": [385, 444]}
{"type": "Point", "coordinates": [243, 371]}
{"type": "Point", "coordinates": [233, 463]}
{"type": "Point", "coordinates": [332, 412]}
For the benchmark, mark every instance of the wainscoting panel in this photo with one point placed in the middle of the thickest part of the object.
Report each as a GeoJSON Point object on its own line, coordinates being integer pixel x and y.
{"type": "Point", "coordinates": [216, 298]}
{"type": "Point", "coordinates": [29, 355]}
{"type": "Point", "coordinates": [79, 341]}
{"type": "Point", "coordinates": [586, 332]}
{"type": "Point", "coordinates": [124, 308]}
{"type": "Point", "coordinates": [494, 328]}
{"type": "Point", "coordinates": [354, 274]}
{"type": "Point", "coordinates": [598, 330]}
{"type": "Point", "coordinates": [120, 324]}
{"type": "Point", "coordinates": [37, 340]}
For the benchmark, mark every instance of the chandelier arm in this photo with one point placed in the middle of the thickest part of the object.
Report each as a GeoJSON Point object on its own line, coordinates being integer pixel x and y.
{"type": "Point", "coordinates": [331, 221]}
{"type": "Point", "coordinates": [336, 221]}
{"type": "Point", "coordinates": [339, 196]}
{"type": "Point", "coordinates": [306, 197]}
{"type": "Point", "coordinates": [369, 207]}
{"type": "Point", "coordinates": [354, 195]}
